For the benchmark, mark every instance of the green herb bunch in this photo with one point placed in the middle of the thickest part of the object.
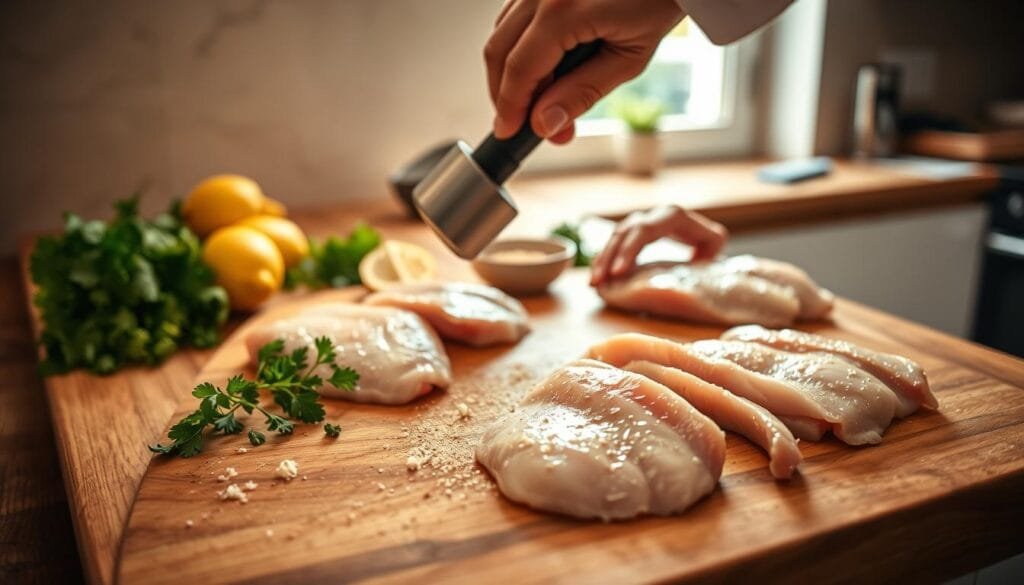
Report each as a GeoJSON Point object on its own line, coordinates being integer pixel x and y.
{"type": "Point", "coordinates": [640, 114]}
{"type": "Point", "coordinates": [123, 292]}
{"type": "Point", "coordinates": [572, 232]}
{"type": "Point", "coordinates": [334, 262]}
{"type": "Point", "coordinates": [289, 379]}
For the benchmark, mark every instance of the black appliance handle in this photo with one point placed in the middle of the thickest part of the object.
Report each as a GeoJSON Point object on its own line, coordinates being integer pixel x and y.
{"type": "Point", "coordinates": [500, 158]}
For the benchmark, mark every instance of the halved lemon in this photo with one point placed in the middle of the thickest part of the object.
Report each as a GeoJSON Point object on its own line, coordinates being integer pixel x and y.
{"type": "Point", "coordinates": [396, 262]}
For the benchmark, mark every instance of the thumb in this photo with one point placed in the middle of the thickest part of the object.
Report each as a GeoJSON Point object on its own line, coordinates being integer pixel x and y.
{"type": "Point", "coordinates": [569, 97]}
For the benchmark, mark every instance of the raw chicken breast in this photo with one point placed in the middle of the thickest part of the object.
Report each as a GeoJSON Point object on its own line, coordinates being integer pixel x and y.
{"type": "Point", "coordinates": [743, 289]}
{"type": "Point", "coordinates": [855, 405]}
{"type": "Point", "coordinates": [732, 413]}
{"type": "Point", "coordinates": [593, 441]}
{"type": "Point", "coordinates": [905, 377]}
{"type": "Point", "coordinates": [474, 314]}
{"type": "Point", "coordinates": [815, 302]}
{"type": "Point", "coordinates": [397, 355]}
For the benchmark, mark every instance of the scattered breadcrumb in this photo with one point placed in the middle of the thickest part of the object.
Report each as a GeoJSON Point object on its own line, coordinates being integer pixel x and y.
{"type": "Point", "coordinates": [250, 485]}
{"type": "Point", "coordinates": [269, 533]}
{"type": "Point", "coordinates": [463, 409]}
{"type": "Point", "coordinates": [229, 472]}
{"type": "Point", "coordinates": [381, 486]}
{"type": "Point", "coordinates": [233, 492]}
{"type": "Point", "coordinates": [241, 450]}
{"type": "Point", "coordinates": [189, 523]}
{"type": "Point", "coordinates": [287, 469]}
{"type": "Point", "coordinates": [415, 463]}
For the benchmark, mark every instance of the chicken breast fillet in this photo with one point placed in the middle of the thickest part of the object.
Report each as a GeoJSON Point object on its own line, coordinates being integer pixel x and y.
{"type": "Point", "coordinates": [904, 376]}
{"type": "Point", "coordinates": [473, 314]}
{"type": "Point", "coordinates": [397, 355]}
{"type": "Point", "coordinates": [732, 413]}
{"type": "Point", "coordinates": [821, 387]}
{"type": "Point", "coordinates": [742, 289]}
{"type": "Point", "coordinates": [594, 441]}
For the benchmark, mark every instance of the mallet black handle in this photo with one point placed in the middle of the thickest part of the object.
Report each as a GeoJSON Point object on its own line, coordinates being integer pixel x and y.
{"type": "Point", "coordinates": [500, 158]}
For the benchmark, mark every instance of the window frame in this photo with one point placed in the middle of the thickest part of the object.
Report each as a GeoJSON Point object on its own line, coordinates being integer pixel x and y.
{"type": "Point", "coordinates": [732, 135]}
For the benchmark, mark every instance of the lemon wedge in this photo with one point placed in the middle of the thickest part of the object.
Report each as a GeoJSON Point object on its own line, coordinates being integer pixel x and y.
{"type": "Point", "coordinates": [396, 262]}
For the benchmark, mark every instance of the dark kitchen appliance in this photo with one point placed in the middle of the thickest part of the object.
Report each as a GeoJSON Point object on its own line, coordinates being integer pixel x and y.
{"type": "Point", "coordinates": [876, 110]}
{"type": "Point", "coordinates": [999, 317]}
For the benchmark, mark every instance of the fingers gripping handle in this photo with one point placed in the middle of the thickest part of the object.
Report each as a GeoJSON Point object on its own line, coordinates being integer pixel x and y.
{"type": "Point", "coordinates": [500, 158]}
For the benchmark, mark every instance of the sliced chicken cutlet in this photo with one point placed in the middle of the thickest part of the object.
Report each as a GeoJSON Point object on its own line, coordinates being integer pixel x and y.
{"type": "Point", "coordinates": [742, 289]}
{"type": "Point", "coordinates": [468, 313]}
{"type": "Point", "coordinates": [850, 402]}
{"type": "Point", "coordinates": [594, 441]}
{"type": "Point", "coordinates": [732, 413]}
{"type": "Point", "coordinates": [397, 355]}
{"type": "Point", "coordinates": [904, 376]}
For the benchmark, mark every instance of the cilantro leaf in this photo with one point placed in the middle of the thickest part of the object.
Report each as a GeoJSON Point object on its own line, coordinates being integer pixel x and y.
{"type": "Point", "coordinates": [282, 425]}
{"type": "Point", "coordinates": [227, 424]}
{"type": "Point", "coordinates": [289, 379]}
{"type": "Point", "coordinates": [203, 390]}
{"type": "Point", "coordinates": [324, 350]}
{"type": "Point", "coordinates": [256, 438]}
{"type": "Point", "coordinates": [344, 379]}
{"type": "Point", "coordinates": [270, 350]}
{"type": "Point", "coordinates": [306, 407]}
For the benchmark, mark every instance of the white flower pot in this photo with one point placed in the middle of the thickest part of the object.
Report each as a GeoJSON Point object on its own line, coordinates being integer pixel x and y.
{"type": "Point", "coordinates": [638, 153]}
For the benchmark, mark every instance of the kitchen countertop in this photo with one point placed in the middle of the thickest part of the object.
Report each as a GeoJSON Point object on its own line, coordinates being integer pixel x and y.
{"type": "Point", "coordinates": [730, 193]}
{"type": "Point", "coordinates": [35, 526]}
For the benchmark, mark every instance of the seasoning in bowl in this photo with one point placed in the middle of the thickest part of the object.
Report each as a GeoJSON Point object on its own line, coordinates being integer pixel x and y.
{"type": "Point", "coordinates": [517, 256]}
{"type": "Point", "coordinates": [525, 266]}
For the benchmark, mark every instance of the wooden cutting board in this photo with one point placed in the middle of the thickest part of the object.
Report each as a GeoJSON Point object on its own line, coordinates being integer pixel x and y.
{"type": "Point", "coordinates": [914, 506]}
{"type": "Point", "coordinates": [102, 424]}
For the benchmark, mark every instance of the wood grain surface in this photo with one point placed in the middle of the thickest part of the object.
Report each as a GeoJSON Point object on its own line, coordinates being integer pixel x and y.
{"type": "Point", "coordinates": [102, 475]}
{"type": "Point", "coordinates": [941, 483]}
{"type": "Point", "coordinates": [37, 543]}
{"type": "Point", "coordinates": [995, 145]}
{"type": "Point", "coordinates": [729, 192]}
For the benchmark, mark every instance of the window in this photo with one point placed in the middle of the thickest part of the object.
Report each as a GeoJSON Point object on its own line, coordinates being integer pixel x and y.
{"type": "Point", "coordinates": [706, 94]}
{"type": "Point", "coordinates": [685, 76]}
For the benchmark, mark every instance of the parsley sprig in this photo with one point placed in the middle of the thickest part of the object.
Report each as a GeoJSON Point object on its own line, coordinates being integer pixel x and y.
{"type": "Point", "coordinates": [287, 376]}
{"type": "Point", "coordinates": [571, 232]}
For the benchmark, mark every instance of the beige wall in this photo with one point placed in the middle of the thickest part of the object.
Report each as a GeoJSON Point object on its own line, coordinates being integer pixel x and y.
{"type": "Point", "coordinates": [978, 46]}
{"type": "Point", "coordinates": [317, 100]}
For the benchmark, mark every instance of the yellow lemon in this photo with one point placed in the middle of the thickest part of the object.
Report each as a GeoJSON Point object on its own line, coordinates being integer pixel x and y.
{"type": "Point", "coordinates": [287, 236]}
{"type": "Point", "coordinates": [247, 264]}
{"type": "Point", "coordinates": [274, 207]}
{"type": "Point", "coordinates": [396, 262]}
{"type": "Point", "coordinates": [221, 200]}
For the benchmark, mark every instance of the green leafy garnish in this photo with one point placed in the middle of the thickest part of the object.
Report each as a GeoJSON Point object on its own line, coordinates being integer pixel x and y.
{"type": "Point", "coordinates": [640, 114]}
{"type": "Point", "coordinates": [572, 232]}
{"type": "Point", "coordinates": [289, 379]}
{"type": "Point", "coordinates": [335, 261]}
{"type": "Point", "coordinates": [129, 291]}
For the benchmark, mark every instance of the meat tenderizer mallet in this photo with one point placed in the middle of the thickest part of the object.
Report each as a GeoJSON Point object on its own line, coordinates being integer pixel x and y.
{"type": "Point", "coordinates": [463, 199]}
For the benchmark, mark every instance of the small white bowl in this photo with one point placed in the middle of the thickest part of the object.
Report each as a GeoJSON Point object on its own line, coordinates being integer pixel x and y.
{"type": "Point", "coordinates": [525, 266]}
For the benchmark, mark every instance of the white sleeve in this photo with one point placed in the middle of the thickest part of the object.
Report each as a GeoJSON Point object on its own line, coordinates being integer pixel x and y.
{"type": "Point", "coordinates": [725, 21]}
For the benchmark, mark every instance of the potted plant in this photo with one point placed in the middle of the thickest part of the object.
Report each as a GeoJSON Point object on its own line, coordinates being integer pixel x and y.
{"type": "Point", "coordinates": [638, 146]}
